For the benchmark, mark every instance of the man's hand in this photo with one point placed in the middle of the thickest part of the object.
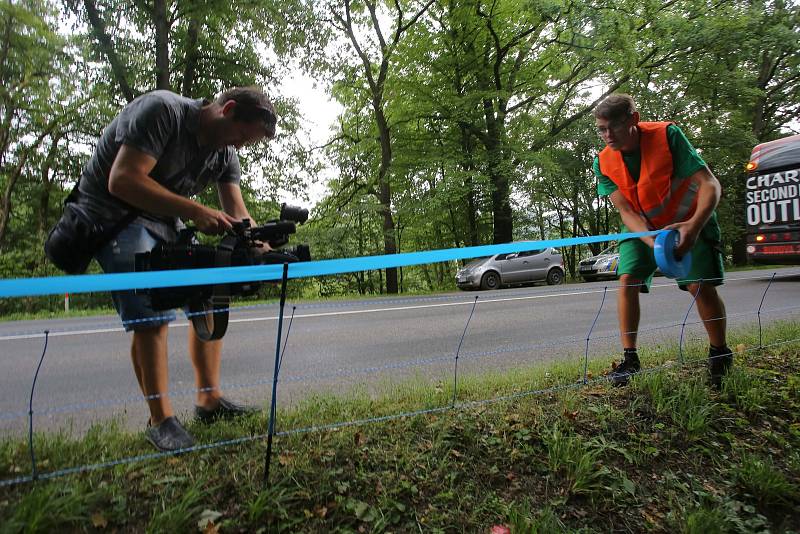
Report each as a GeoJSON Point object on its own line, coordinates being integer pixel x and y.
{"type": "Point", "coordinates": [262, 248]}
{"type": "Point", "coordinates": [211, 221]}
{"type": "Point", "coordinates": [688, 232]}
{"type": "Point", "coordinates": [631, 218]}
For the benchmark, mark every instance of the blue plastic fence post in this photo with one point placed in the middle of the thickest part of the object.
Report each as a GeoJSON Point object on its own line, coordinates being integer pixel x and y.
{"type": "Point", "coordinates": [458, 351]}
{"type": "Point", "coordinates": [272, 407]}
{"type": "Point", "coordinates": [686, 317]}
{"type": "Point", "coordinates": [589, 336]}
{"type": "Point", "coordinates": [760, 341]}
{"type": "Point", "coordinates": [34, 472]}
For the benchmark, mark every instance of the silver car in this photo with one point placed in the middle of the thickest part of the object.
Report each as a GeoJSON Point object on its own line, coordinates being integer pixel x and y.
{"type": "Point", "coordinates": [500, 270]}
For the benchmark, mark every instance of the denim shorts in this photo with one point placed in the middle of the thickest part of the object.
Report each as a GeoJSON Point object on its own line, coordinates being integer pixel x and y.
{"type": "Point", "coordinates": [118, 256]}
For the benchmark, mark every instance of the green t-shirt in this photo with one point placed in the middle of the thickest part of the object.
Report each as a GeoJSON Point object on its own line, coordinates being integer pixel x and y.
{"type": "Point", "coordinates": [685, 161]}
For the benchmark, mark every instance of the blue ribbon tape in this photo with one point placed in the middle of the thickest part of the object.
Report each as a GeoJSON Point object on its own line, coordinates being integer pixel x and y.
{"type": "Point", "coordinates": [86, 283]}
{"type": "Point", "coordinates": [664, 251]}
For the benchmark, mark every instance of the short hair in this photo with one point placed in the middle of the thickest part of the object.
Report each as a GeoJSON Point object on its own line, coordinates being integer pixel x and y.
{"type": "Point", "coordinates": [251, 105]}
{"type": "Point", "coordinates": [616, 106]}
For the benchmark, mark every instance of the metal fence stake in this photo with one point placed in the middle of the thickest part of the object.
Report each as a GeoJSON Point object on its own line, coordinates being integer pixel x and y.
{"type": "Point", "coordinates": [34, 472]}
{"type": "Point", "coordinates": [686, 318]}
{"type": "Point", "coordinates": [458, 351]}
{"type": "Point", "coordinates": [589, 336]}
{"type": "Point", "coordinates": [272, 407]}
{"type": "Point", "coordinates": [760, 341]}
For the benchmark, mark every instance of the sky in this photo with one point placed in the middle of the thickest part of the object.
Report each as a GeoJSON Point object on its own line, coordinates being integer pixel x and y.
{"type": "Point", "coordinates": [319, 117]}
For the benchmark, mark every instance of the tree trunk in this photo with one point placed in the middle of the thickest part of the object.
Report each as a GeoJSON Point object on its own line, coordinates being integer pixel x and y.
{"type": "Point", "coordinates": [161, 27]}
{"type": "Point", "coordinates": [44, 196]}
{"type": "Point", "coordinates": [501, 190]}
{"type": "Point", "coordinates": [190, 70]}
{"type": "Point", "coordinates": [468, 165]}
{"type": "Point", "coordinates": [107, 48]}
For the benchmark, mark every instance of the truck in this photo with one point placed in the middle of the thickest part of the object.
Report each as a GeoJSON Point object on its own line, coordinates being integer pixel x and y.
{"type": "Point", "coordinates": [772, 198]}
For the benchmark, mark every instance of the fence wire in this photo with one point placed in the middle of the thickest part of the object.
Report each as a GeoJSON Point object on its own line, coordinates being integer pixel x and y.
{"type": "Point", "coordinates": [358, 422]}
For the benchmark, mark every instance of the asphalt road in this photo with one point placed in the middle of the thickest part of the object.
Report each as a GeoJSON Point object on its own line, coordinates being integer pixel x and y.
{"type": "Point", "coordinates": [362, 345]}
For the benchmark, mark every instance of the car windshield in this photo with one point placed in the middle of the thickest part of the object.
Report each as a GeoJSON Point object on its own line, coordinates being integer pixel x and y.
{"type": "Point", "coordinates": [610, 250]}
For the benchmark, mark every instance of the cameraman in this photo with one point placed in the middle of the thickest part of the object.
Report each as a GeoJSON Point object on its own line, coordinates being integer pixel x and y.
{"type": "Point", "coordinates": [161, 150]}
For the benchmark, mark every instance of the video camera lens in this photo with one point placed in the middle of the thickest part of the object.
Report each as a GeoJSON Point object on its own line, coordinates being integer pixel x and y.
{"type": "Point", "coordinates": [293, 213]}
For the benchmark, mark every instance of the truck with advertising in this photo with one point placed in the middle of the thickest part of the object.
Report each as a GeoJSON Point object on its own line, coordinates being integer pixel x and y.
{"type": "Point", "coordinates": [772, 198]}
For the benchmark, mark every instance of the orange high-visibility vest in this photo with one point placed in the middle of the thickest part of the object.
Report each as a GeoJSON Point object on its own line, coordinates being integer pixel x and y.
{"type": "Point", "coordinates": [658, 196]}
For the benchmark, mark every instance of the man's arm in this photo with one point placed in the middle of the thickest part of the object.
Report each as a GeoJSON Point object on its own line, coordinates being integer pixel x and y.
{"type": "Point", "coordinates": [631, 218]}
{"type": "Point", "coordinates": [708, 195]}
{"type": "Point", "coordinates": [130, 181]}
{"type": "Point", "coordinates": [231, 200]}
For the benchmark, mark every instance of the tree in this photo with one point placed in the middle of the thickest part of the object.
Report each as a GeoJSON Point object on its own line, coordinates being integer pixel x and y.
{"type": "Point", "coordinates": [375, 57]}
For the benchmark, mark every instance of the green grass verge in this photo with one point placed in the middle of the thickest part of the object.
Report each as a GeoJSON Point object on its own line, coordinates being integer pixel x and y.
{"type": "Point", "coordinates": [666, 454]}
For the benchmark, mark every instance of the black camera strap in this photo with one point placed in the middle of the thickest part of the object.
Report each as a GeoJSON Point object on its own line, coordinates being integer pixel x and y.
{"type": "Point", "coordinates": [210, 317]}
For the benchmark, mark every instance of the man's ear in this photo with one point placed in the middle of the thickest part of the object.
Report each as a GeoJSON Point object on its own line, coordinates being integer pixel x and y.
{"type": "Point", "coordinates": [635, 117]}
{"type": "Point", "coordinates": [228, 107]}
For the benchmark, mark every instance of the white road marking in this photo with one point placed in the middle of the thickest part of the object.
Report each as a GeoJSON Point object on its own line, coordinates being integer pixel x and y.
{"type": "Point", "coordinates": [307, 315]}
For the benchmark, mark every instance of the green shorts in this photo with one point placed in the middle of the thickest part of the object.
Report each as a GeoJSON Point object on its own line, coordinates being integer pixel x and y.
{"type": "Point", "coordinates": [637, 259]}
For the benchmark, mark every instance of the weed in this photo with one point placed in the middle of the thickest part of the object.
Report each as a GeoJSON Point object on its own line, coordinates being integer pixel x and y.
{"type": "Point", "coordinates": [759, 477]}
{"type": "Point", "coordinates": [692, 409]}
{"type": "Point", "coordinates": [658, 388]}
{"type": "Point", "coordinates": [51, 507]}
{"type": "Point", "coordinates": [572, 456]}
{"type": "Point", "coordinates": [174, 512]}
{"type": "Point", "coordinates": [745, 390]}
{"type": "Point", "coordinates": [706, 521]}
{"type": "Point", "coordinates": [524, 520]}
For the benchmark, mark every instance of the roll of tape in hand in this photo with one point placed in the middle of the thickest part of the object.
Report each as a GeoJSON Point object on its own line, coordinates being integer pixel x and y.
{"type": "Point", "coordinates": [664, 251]}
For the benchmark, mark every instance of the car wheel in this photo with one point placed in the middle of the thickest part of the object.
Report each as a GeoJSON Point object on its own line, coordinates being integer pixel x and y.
{"type": "Point", "coordinates": [590, 278]}
{"type": "Point", "coordinates": [490, 280]}
{"type": "Point", "coordinates": [555, 277]}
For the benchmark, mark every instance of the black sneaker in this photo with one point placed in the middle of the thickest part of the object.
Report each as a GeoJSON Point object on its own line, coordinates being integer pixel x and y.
{"type": "Point", "coordinates": [226, 409]}
{"type": "Point", "coordinates": [169, 435]}
{"type": "Point", "coordinates": [720, 360]}
{"type": "Point", "coordinates": [621, 374]}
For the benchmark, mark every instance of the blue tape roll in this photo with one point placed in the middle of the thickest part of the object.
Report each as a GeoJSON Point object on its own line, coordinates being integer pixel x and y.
{"type": "Point", "coordinates": [664, 251]}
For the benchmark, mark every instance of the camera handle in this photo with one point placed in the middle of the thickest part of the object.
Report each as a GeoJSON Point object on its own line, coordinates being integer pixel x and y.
{"type": "Point", "coordinates": [210, 317]}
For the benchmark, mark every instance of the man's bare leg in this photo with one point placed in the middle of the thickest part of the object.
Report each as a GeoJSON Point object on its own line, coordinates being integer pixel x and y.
{"type": "Point", "coordinates": [149, 355]}
{"type": "Point", "coordinates": [711, 310]}
{"type": "Point", "coordinates": [206, 359]}
{"type": "Point", "coordinates": [628, 310]}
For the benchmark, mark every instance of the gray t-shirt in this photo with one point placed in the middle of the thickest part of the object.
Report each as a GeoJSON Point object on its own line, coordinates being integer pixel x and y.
{"type": "Point", "coordinates": [163, 125]}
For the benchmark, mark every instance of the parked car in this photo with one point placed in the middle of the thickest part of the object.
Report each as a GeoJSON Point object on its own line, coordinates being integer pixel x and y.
{"type": "Point", "coordinates": [600, 266]}
{"type": "Point", "coordinates": [493, 272]}
{"type": "Point", "coordinates": [603, 266]}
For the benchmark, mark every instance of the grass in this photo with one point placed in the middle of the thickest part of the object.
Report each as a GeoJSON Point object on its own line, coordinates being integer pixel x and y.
{"type": "Point", "coordinates": [666, 454]}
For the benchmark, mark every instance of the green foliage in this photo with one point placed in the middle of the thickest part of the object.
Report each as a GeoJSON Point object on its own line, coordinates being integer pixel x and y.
{"type": "Point", "coordinates": [763, 481]}
{"type": "Point", "coordinates": [686, 403]}
{"type": "Point", "coordinates": [706, 520]}
{"type": "Point", "coordinates": [176, 509]}
{"type": "Point", "coordinates": [575, 459]}
{"type": "Point", "coordinates": [51, 507]}
{"type": "Point", "coordinates": [746, 390]}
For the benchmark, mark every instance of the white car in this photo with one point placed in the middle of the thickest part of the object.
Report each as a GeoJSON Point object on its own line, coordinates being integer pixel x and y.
{"type": "Point", "coordinates": [601, 266]}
